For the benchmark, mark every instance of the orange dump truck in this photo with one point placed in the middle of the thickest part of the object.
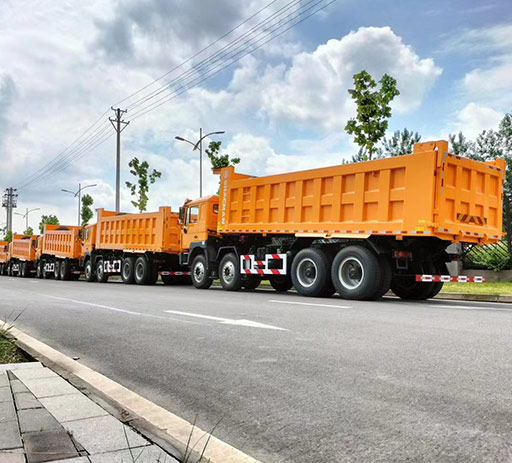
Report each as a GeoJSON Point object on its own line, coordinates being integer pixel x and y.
{"type": "Point", "coordinates": [356, 229]}
{"type": "Point", "coordinates": [4, 245]}
{"type": "Point", "coordinates": [21, 255]}
{"type": "Point", "coordinates": [59, 252]}
{"type": "Point", "coordinates": [138, 247]}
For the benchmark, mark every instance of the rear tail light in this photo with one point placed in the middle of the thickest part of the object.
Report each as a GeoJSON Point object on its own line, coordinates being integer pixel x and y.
{"type": "Point", "coordinates": [402, 254]}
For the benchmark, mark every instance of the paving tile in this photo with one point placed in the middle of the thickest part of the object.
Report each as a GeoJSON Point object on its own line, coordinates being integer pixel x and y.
{"type": "Point", "coordinates": [74, 460]}
{"type": "Point", "coordinates": [103, 434]}
{"type": "Point", "coordinates": [25, 400]}
{"type": "Point", "coordinates": [9, 435]}
{"type": "Point", "coordinates": [4, 381]}
{"type": "Point", "coordinates": [19, 366]}
{"type": "Point", "coordinates": [5, 394]}
{"type": "Point", "coordinates": [151, 454]}
{"type": "Point", "coordinates": [18, 386]}
{"type": "Point", "coordinates": [34, 373]}
{"type": "Point", "coordinates": [37, 419]}
{"type": "Point", "coordinates": [48, 446]}
{"type": "Point", "coordinates": [72, 407]}
{"type": "Point", "coordinates": [7, 412]}
{"type": "Point", "coordinates": [12, 456]}
{"type": "Point", "coordinates": [48, 387]}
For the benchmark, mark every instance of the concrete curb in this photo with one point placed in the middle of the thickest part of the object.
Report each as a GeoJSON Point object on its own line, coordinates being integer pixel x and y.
{"type": "Point", "coordinates": [474, 297]}
{"type": "Point", "coordinates": [161, 426]}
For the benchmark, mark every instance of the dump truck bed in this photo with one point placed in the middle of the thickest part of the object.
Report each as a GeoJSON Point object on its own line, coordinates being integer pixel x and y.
{"type": "Point", "coordinates": [3, 251]}
{"type": "Point", "coordinates": [23, 247]}
{"type": "Point", "coordinates": [149, 231]}
{"type": "Point", "coordinates": [62, 241]}
{"type": "Point", "coordinates": [429, 192]}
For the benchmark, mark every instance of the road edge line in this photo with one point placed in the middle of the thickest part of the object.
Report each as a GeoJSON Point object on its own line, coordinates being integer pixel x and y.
{"type": "Point", "coordinates": [147, 417]}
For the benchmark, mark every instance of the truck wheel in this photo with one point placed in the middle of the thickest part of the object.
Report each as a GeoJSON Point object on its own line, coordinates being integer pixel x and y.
{"type": "Point", "coordinates": [142, 271]}
{"type": "Point", "coordinates": [229, 272]}
{"type": "Point", "coordinates": [200, 275]}
{"type": "Point", "coordinates": [9, 270]}
{"type": "Point", "coordinates": [154, 274]}
{"type": "Point", "coordinates": [56, 270]}
{"type": "Point", "coordinates": [310, 273]}
{"type": "Point", "coordinates": [406, 287]}
{"type": "Point", "coordinates": [251, 282]}
{"type": "Point", "coordinates": [65, 270]}
{"type": "Point", "coordinates": [39, 270]}
{"type": "Point", "coordinates": [440, 269]}
{"type": "Point", "coordinates": [101, 275]}
{"type": "Point", "coordinates": [387, 275]}
{"type": "Point", "coordinates": [89, 274]}
{"type": "Point", "coordinates": [22, 272]}
{"type": "Point", "coordinates": [127, 271]}
{"type": "Point", "coordinates": [356, 273]}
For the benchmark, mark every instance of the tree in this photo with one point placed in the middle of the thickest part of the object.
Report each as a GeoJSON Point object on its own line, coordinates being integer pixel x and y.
{"type": "Point", "coordinates": [87, 213]}
{"type": "Point", "coordinates": [373, 110]}
{"type": "Point", "coordinates": [8, 236]}
{"type": "Point", "coordinates": [29, 231]}
{"type": "Point", "coordinates": [47, 219]}
{"type": "Point", "coordinates": [218, 161]}
{"type": "Point", "coordinates": [400, 143]}
{"type": "Point", "coordinates": [459, 144]}
{"type": "Point", "coordinates": [140, 171]}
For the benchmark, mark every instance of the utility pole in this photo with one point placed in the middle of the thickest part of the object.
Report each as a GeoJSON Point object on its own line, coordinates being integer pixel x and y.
{"type": "Point", "coordinates": [119, 125]}
{"type": "Point", "coordinates": [9, 201]}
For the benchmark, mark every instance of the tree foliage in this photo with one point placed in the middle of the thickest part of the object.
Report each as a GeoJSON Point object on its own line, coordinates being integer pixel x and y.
{"type": "Point", "coordinates": [47, 219]}
{"type": "Point", "coordinates": [373, 110]}
{"type": "Point", "coordinates": [8, 236]}
{"type": "Point", "coordinates": [140, 188]}
{"type": "Point", "coordinates": [29, 231]}
{"type": "Point", "coordinates": [87, 213]}
{"type": "Point", "coordinates": [219, 160]}
{"type": "Point", "coordinates": [400, 143]}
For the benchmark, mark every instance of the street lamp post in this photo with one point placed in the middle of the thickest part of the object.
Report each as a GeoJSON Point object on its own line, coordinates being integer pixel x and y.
{"type": "Point", "coordinates": [199, 144]}
{"type": "Point", "coordinates": [79, 194]}
{"type": "Point", "coordinates": [25, 216]}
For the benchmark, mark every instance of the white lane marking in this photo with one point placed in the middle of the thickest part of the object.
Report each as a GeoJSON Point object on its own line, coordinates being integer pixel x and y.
{"type": "Point", "coordinates": [310, 303]}
{"type": "Point", "coordinates": [115, 309]}
{"type": "Point", "coordinates": [467, 307]}
{"type": "Point", "coordinates": [228, 321]}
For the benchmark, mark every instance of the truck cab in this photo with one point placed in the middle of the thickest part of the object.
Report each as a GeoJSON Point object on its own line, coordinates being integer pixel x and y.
{"type": "Point", "coordinates": [199, 219]}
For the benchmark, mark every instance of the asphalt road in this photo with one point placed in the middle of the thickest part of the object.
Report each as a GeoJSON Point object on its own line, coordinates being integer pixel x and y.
{"type": "Point", "coordinates": [339, 381]}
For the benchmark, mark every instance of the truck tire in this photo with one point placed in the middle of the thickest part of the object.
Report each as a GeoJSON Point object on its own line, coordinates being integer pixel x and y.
{"type": "Point", "coordinates": [200, 275]}
{"type": "Point", "coordinates": [39, 270]}
{"type": "Point", "coordinates": [65, 270]}
{"type": "Point", "coordinates": [281, 283]}
{"type": "Point", "coordinates": [356, 273]}
{"type": "Point", "coordinates": [407, 287]}
{"type": "Point", "coordinates": [142, 271]}
{"type": "Point", "coordinates": [101, 275]}
{"type": "Point", "coordinates": [229, 272]}
{"type": "Point", "coordinates": [154, 274]}
{"type": "Point", "coordinates": [22, 273]}
{"type": "Point", "coordinates": [440, 269]}
{"type": "Point", "coordinates": [127, 270]}
{"type": "Point", "coordinates": [89, 274]}
{"type": "Point", "coordinates": [56, 270]}
{"type": "Point", "coordinates": [251, 282]}
{"type": "Point", "coordinates": [386, 277]}
{"type": "Point", "coordinates": [311, 273]}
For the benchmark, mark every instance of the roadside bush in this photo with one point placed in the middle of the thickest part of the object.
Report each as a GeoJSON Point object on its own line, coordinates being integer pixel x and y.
{"type": "Point", "coordinates": [492, 258]}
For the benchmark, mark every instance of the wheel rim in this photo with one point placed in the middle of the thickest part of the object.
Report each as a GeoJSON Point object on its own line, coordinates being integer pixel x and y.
{"type": "Point", "coordinates": [307, 272]}
{"type": "Point", "coordinates": [88, 270]}
{"type": "Point", "coordinates": [351, 273]}
{"type": "Point", "coordinates": [228, 272]}
{"type": "Point", "coordinates": [100, 270]}
{"type": "Point", "coordinates": [199, 271]}
{"type": "Point", "coordinates": [139, 271]}
{"type": "Point", "coordinates": [126, 268]}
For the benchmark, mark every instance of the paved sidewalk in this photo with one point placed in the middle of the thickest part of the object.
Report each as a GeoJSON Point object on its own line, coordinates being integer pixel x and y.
{"type": "Point", "coordinates": [44, 418]}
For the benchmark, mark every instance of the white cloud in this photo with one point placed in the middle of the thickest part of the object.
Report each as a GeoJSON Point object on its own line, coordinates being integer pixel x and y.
{"type": "Point", "coordinates": [314, 89]}
{"type": "Point", "coordinates": [473, 118]}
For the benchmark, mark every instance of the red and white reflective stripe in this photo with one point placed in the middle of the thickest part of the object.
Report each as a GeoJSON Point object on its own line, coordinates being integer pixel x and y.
{"type": "Point", "coordinates": [450, 279]}
{"type": "Point", "coordinates": [250, 266]}
{"type": "Point", "coordinates": [177, 274]}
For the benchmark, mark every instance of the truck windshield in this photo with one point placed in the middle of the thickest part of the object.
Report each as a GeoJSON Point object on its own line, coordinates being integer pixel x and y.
{"type": "Point", "coordinates": [193, 214]}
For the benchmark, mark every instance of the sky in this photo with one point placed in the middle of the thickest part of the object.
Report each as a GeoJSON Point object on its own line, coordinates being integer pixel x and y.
{"type": "Point", "coordinates": [283, 106]}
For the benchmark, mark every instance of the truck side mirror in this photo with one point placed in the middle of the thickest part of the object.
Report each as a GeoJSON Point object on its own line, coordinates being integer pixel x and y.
{"type": "Point", "coordinates": [181, 215]}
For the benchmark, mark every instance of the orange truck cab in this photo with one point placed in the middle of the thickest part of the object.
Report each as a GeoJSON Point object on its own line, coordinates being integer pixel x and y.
{"type": "Point", "coordinates": [22, 255]}
{"type": "Point", "coordinates": [357, 229]}
{"type": "Point", "coordinates": [3, 257]}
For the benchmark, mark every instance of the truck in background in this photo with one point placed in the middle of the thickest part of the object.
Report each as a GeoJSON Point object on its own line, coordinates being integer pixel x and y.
{"type": "Point", "coordinates": [3, 257]}
{"type": "Point", "coordinates": [59, 252]}
{"type": "Point", "coordinates": [356, 229]}
{"type": "Point", "coordinates": [21, 255]}
{"type": "Point", "coordinates": [139, 247]}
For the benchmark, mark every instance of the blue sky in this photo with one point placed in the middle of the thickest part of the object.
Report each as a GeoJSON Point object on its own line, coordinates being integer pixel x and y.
{"type": "Point", "coordinates": [283, 108]}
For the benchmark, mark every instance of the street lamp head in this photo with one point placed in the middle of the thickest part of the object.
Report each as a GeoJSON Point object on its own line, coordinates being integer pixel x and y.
{"type": "Point", "coordinates": [179, 138]}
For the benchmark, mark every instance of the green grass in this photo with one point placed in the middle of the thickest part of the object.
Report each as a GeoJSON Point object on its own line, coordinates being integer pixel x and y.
{"type": "Point", "coordinates": [492, 288]}
{"type": "Point", "coordinates": [10, 353]}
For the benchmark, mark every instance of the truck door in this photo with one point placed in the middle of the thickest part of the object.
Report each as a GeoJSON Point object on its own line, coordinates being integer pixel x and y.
{"type": "Point", "coordinates": [191, 230]}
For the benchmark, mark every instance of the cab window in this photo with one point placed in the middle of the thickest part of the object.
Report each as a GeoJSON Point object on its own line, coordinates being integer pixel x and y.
{"type": "Point", "coordinates": [193, 215]}
{"type": "Point", "coordinates": [215, 208]}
